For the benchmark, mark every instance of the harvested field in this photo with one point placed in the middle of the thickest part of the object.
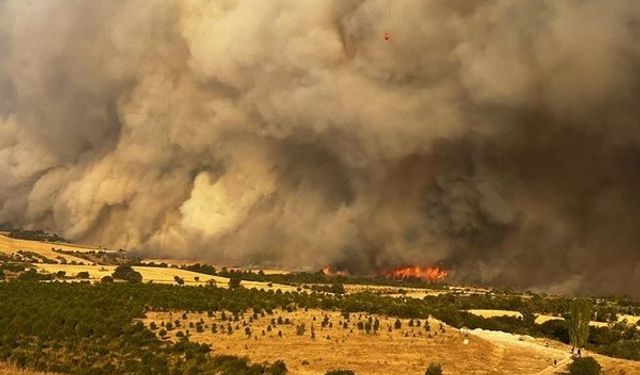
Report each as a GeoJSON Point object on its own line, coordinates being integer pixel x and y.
{"type": "Point", "coordinates": [159, 275]}
{"type": "Point", "coordinates": [418, 293]}
{"type": "Point", "coordinates": [11, 245]}
{"type": "Point", "coordinates": [495, 313]}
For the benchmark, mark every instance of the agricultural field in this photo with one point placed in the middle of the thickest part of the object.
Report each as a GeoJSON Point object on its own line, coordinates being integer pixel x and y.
{"type": "Point", "coordinates": [10, 246]}
{"type": "Point", "coordinates": [542, 318]}
{"type": "Point", "coordinates": [324, 343]}
{"type": "Point", "coordinates": [160, 275]}
{"type": "Point", "coordinates": [408, 349]}
{"type": "Point", "coordinates": [312, 335]}
{"type": "Point", "coordinates": [495, 313]}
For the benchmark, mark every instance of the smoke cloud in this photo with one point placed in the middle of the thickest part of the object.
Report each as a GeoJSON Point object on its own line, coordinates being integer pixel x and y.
{"type": "Point", "coordinates": [498, 138]}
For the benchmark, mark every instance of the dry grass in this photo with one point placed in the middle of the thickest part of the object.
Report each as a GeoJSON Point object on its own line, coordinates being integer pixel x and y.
{"type": "Point", "coordinates": [541, 318]}
{"type": "Point", "coordinates": [8, 369]}
{"type": "Point", "coordinates": [157, 275]}
{"type": "Point", "coordinates": [629, 318]}
{"type": "Point", "coordinates": [382, 353]}
{"type": "Point", "coordinates": [418, 293]}
{"type": "Point", "coordinates": [180, 262]}
{"type": "Point", "coordinates": [495, 313]}
{"type": "Point", "coordinates": [10, 246]}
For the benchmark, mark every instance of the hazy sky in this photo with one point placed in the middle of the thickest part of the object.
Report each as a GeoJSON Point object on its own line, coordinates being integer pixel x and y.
{"type": "Point", "coordinates": [497, 138]}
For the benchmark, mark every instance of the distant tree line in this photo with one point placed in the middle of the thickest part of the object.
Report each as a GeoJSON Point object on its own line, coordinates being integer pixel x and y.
{"type": "Point", "coordinates": [36, 235]}
{"type": "Point", "coordinates": [297, 278]}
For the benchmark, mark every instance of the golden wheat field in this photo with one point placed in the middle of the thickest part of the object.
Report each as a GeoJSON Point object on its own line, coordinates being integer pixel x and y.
{"type": "Point", "coordinates": [159, 275]}
{"type": "Point", "coordinates": [11, 245]}
{"type": "Point", "coordinates": [495, 313]}
{"type": "Point", "coordinates": [407, 350]}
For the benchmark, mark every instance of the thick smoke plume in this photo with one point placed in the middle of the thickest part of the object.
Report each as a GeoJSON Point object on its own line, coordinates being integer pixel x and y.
{"type": "Point", "coordinates": [497, 138]}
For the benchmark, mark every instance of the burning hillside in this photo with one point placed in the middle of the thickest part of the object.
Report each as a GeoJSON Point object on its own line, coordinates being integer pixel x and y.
{"type": "Point", "coordinates": [331, 271]}
{"type": "Point", "coordinates": [431, 274]}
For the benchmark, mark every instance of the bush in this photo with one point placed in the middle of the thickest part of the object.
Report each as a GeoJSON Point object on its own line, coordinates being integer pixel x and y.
{"type": "Point", "coordinates": [107, 279]}
{"type": "Point", "coordinates": [340, 372]}
{"type": "Point", "coordinates": [33, 275]}
{"type": "Point", "coordinates": [585, 366]}
{"type": "Point", "coordinates": [434, 369]}
{"type": "Point", "coordinates": [278, 368]}
{"type": "Point", "coordinates": [83, 275]}
{"type": "Point", "coordinates": [337, 288]}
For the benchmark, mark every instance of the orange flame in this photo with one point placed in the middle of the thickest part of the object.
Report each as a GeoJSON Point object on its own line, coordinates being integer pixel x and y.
{"type": "Point", "coordinates": [329, 271]}
{"type": "Point", "coordinates": [432, 274]}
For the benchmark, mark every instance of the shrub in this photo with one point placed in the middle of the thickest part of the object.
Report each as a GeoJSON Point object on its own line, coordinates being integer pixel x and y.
{"type": "Point", "coordinates": [83, 275]}
{"type": "Point", "coordinates": [300, 329]}
{"type": "Point", "coordinates": [278, 368]}
{"type": "Point", "coordinates": [585, 366]}
{"type": "Point", "coordinates": [337, 288]}
{"type": "Point", "coordinates": [434, 369]}
{"type": "Point", "coordinates": [340, 372]}
{"type": "Point", "coordinates": [107, 279]}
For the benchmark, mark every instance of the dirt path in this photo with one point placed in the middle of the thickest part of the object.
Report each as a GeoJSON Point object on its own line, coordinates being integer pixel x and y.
{"type": "Point", "coordinates": [507, 340]}
{"type": "Point", "coordinates": [559, 368]}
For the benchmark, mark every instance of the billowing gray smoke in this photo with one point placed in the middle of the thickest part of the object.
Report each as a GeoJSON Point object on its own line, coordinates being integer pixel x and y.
{"type": "Point", "coordinates": [500, 139]}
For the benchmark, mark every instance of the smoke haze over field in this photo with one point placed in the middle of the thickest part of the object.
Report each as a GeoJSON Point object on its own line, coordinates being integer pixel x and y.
{"type": "Point", "coordinates": [500, 139]}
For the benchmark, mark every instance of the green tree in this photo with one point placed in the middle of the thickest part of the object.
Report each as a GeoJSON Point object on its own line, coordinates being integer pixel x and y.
{"type": "Point", "coordinates": [127, 273]}
{"type": "Point", "coordinates": [234, 281]}
{"type": "Point", "coordinates": [581, 312]}
{"type": "Point", "coordinates": [82, 275]}
{"type": "Point", "coordinates": [179, 280]}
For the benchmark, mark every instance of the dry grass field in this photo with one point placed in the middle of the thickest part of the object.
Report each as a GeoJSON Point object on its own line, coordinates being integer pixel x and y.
{"type": "Point", "coordinates": [157, 275]}
{"type": "Point", "coordinates": [407, 350]}
{"type": "Point", "coordinates": [10, 246]}
{"type": "Point", "coordinates": [418, 293]}
{"type": "Point", "coordinates": [8, 369]}
{"type": "Point", "coordinates": [542, 318]}
{"type": "Point", "coordinates": [495, 313]}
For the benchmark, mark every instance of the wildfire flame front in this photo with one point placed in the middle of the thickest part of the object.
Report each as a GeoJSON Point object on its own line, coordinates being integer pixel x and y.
{"type": "Point", "coordinates": [432, 274]}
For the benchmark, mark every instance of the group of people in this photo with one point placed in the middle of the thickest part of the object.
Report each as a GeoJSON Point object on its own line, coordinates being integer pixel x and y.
{"type": "Point", "coordinates": [575, 353]}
